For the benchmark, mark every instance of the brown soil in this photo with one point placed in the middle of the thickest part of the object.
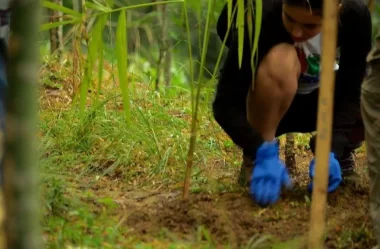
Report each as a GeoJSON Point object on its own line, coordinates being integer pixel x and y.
{"type": "Point", "coordinates": [234, 218]}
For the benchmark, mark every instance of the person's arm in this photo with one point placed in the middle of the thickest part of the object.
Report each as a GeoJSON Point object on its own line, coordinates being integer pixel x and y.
{"type": "Point", "coordinates": [229, 105]}
{"type": "Point", "coordinates": [355, 44]}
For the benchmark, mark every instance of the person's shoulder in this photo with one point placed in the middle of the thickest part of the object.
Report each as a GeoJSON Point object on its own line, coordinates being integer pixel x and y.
{"type": "Point", "coordinates": [354, 11]}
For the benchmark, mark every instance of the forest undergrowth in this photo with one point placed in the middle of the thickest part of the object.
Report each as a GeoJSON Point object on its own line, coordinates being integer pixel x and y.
{"type": "Point", "coordinates": [107, 183]}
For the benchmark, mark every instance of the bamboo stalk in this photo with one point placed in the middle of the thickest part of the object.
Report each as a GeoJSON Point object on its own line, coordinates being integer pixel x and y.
{"type": "Point", "coordinates": [324, 123]}
{"type": "Point", "coordinates": [21, 186]}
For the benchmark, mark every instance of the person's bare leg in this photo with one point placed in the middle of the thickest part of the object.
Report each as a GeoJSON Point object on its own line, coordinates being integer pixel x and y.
{"type": "Point", "coordinates": [273, 90]}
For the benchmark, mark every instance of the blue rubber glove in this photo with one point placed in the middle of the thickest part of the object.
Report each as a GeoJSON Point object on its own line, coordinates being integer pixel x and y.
{"type": "Point", "coordinates": [269, 175]}
{"type": "Point", "coordinates": [335, 174]}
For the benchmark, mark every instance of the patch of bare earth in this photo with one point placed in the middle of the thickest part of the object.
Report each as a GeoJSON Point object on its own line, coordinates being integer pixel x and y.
{"type": "Point", "coordinates": [234, 218]}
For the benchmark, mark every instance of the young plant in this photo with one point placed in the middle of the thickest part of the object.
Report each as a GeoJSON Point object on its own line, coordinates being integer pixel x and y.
{"type": "Point", "coordinates": [240, 24]}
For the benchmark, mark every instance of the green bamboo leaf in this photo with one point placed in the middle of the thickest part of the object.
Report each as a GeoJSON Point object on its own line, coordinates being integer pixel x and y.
{"type": "Point", "coordinates": [137, 6]}
{"type": "Point", "coordinates": [52, 25]}
{"type": "Point", "coordinates": [96, 35]}
{"type": "Point", "coordinates": [61, 8]}
{"type": "Point", "coordinates": [219, 60]}
{"type": "Point", "coordinates": [110, 3]}
{"type": "Point", "coordinates": [99, 3]}
{"type": "Point", "coordinates": [98, 6]}
{"type": "Point", "coordinates": [121, 56]}
{"type": "Point", "coordinates": [240, 26]}
{"type": "Point", "coordinates": [249, 22]}
{"type": "Point", "coordinates": [258, 20]}
{"type": "Point", "coordinates": [229, 10]}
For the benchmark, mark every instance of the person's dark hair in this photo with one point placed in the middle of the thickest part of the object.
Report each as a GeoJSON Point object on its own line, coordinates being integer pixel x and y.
{"type": "Point", "coordinates": [314, 5]}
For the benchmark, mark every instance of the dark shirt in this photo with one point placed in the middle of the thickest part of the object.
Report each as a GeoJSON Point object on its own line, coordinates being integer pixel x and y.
{"type": "Point", "coordinates": [354, 43]}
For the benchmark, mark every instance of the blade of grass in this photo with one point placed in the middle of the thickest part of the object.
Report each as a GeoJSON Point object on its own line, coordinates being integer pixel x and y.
{"type": "Point", "coordinates": [240, 26]}
{"type": "Point", "coordinates": [47, 26]}
{"type": "Point", "coordinates": [153, 135]}
{"type": "Point", "coordinates": [258, 19]}
{"type": "Point", "coordinates": [229, 15]}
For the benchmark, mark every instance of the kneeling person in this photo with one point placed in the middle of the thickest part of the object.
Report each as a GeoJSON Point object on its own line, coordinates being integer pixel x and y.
{"type": "Point", "coordinates": [283, 96]}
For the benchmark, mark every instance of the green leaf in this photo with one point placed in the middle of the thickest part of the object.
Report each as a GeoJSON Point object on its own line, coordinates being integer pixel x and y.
{"type": "Point", "coordinates": [258, 20]}
{"type": "Point", "coordinates": [110, 3]}
{"type": "Point", "coordinates": [98, 6]}
{"type": "Point", "coordinates": [229, 10]}
{"type": "Point", "coordinates": [52, 25]}
{"type": "Point", "coordinates": [108, 201]}
{"type": "Point", "coordinates": [121, 56]}
{"type": "Point", "coordinates": [240, 26]}
{"type": "Point", "coordinates": [60, 8]}
{"type": "Point", "coordinates": [143, 5]}
{"type": "Point", "coordinates": [93, 48]}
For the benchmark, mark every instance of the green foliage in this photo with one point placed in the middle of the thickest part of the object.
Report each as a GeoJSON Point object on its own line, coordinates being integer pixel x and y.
{"type": "Point", "coordinates": [90, 157]}
{"type": "Point", "coordinates": [149, 152]}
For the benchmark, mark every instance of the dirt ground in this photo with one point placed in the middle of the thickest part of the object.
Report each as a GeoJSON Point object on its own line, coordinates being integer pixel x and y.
{"type": "Point", "coordinates": [234, 218]}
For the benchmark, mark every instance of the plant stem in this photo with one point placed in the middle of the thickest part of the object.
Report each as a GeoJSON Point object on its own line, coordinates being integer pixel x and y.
{"type": "Point", "coordinates": [324, 123]}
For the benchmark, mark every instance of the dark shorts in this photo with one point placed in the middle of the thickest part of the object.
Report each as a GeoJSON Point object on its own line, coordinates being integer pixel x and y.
{"type": "Point", "coordinates": [301, 117]}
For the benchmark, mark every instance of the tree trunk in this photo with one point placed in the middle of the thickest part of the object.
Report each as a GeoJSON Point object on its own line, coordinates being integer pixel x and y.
{"type": "Point", "coordinates": [60, 32]}
{"type": "Point", "coordinates": [168, 66]}
{"type": "Point", "coordinates": [55, 33]}
{"type": "Point", "coordinates": [166, 47]}
{"type": "Point", "coordinates": [20, 168]}
{"type": "Point", "coordinates": [164, 60]}
{"type": "Point", "coordinates": [77, 51]}
{"type": "Point", "coordinates": [290, 155]}
{"type": "Point", "coordinates": [133, 40]}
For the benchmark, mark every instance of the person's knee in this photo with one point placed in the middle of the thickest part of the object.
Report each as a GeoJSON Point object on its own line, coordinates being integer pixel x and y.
{"type": "Point", "coordinates": [280, 68]}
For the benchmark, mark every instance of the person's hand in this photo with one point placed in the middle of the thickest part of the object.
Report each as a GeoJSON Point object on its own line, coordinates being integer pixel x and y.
{"type": "Point", "coordinates": [269, 175]}
{"type": "Point", "coordinates": [335, 174]}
